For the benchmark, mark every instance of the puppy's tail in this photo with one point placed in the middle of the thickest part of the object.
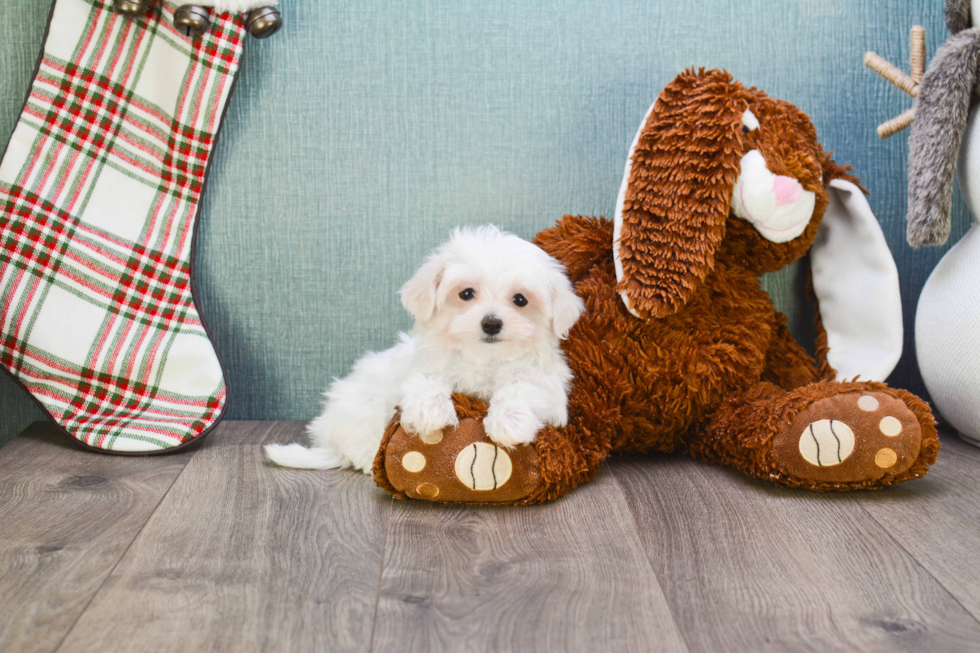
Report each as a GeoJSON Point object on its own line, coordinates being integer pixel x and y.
{"type": "Point", "coordinates": [296, 455]}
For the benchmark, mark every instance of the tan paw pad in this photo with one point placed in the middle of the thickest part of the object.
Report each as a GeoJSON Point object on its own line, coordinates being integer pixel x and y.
{"type": "Point", "coordinates": [483, 467]}
{"type": "Point", "coordinates": [433, 437]}
{"type": "Point", "coordinates": [413, 462]}
{"type": "Point", "coordinates": [826, 442]}
{"type": "Point", "coordinates": [890, 426]}
{"type": "Point", "coordinates": [886, 458]}
{"type": "Point", "coordinates": [868, 403]}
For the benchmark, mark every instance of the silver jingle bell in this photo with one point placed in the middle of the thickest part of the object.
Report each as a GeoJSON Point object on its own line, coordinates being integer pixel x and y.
{"type": "Point", "coordinates": [192, 20]}
{"type": "Point", "coordinates": [131, 8]}
{"type": "Point", "coordinates": [263, 23]}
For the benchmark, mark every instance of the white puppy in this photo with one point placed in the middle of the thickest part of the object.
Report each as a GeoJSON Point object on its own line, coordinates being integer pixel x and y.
{"type": "Point", "coordinates": [490, 310]}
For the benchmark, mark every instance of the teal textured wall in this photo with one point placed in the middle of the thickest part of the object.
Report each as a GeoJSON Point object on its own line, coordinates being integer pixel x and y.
{"type": "Point", "coordinates": [365, 130]}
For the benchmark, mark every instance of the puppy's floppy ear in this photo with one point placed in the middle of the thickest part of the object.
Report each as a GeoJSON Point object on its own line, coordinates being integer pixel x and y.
{"type": "Point", "coordinates": [677, 192]}
{"type": "Point", "coordinates": [419, 293]}
{"type": "Point", "coordinates": [566, 306]}
{"type": "Point", "coordinates": [856, 284]}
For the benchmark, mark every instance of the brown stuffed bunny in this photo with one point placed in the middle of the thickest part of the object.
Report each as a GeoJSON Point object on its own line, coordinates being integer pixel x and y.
{"type": "Point", "coordinates": [681, 350]}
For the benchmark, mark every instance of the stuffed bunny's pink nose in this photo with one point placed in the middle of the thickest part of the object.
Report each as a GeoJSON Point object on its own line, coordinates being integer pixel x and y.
{"type": "Point", "coordinates": [787, 190]}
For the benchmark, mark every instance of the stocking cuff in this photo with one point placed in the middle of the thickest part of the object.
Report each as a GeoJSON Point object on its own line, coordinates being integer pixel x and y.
{"type": "Point", "coordinates": [236, 6]}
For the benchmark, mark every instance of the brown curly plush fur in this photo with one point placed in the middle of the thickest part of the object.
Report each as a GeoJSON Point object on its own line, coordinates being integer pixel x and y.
{"type": "Point", "coordinates": [711, 367]}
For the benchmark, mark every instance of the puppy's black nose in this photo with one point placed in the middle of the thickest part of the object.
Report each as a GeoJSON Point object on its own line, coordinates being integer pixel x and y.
{"type": "Point", "coordinates": [492, 325]}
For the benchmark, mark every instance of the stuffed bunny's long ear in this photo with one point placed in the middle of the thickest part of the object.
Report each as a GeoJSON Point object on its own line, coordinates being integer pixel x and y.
{"type": "Point", "coordinates": [677, 192]}
{"type": "Point", "coordinates": [856, 284]}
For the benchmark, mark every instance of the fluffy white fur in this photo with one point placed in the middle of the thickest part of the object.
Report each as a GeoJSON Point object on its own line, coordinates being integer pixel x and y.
{"type": "Point", "coordinates": [520, 371]}
{"type": "Point", "coordinates": [236, 6]}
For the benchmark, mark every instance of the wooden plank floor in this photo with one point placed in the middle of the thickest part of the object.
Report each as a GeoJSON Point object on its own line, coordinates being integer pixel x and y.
{"type": "Point", "coordinates": [213, 549]}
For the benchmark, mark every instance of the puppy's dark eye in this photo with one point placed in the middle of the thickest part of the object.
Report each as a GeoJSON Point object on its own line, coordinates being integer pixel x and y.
{"type": "Point", "coordinates": [520, 300]}
{"type": "Point", "coordinates": [467, 295]}
{"type": "Point", "coordinates": [745, 130]}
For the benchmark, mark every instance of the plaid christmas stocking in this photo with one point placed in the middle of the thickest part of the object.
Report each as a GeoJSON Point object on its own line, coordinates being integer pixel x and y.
{"type": "Point", "coordinates": [99, 191]}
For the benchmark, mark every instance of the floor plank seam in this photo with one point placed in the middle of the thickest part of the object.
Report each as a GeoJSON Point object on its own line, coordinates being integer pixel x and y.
{"type": "Point", "coordinates": [125, 551]}
{"type": "Point", "coordinates": [118, 560]}
{"type": "Point", "coordinates": [643, 552]}
{"type": "Point", "coordinates": [911, 554]}
{"type": "Point", "coordinates": [381, 573]}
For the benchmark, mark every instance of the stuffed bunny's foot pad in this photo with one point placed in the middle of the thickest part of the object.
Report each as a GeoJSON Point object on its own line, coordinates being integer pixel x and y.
{"type": "Point", "coordinates": [852, 437]}
{"type": "Point", "coordinates": [456, 465]}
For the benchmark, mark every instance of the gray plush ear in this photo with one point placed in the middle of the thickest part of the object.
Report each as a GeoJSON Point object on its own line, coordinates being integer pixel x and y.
{"type": "Point", "coordinates": [957, 15]}
{"type": "Point", "coordinates": [941, 110]}
{"type": "Point", "coordinates": [856, 284]}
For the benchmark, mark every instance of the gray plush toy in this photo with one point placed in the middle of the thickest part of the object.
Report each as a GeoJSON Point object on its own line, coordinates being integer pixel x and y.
{"type": "Point", "coordinates": [946, 137]}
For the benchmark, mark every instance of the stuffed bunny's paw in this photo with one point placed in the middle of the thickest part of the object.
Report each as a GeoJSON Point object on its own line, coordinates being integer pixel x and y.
{"type": "Point", "coordinates": [857, 439]}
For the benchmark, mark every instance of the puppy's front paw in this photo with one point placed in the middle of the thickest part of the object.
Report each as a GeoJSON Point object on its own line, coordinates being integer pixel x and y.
{"type": "Point", "coordinates": [511, 427]}
{"type": "Point", "coordinates": [428, 415]}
